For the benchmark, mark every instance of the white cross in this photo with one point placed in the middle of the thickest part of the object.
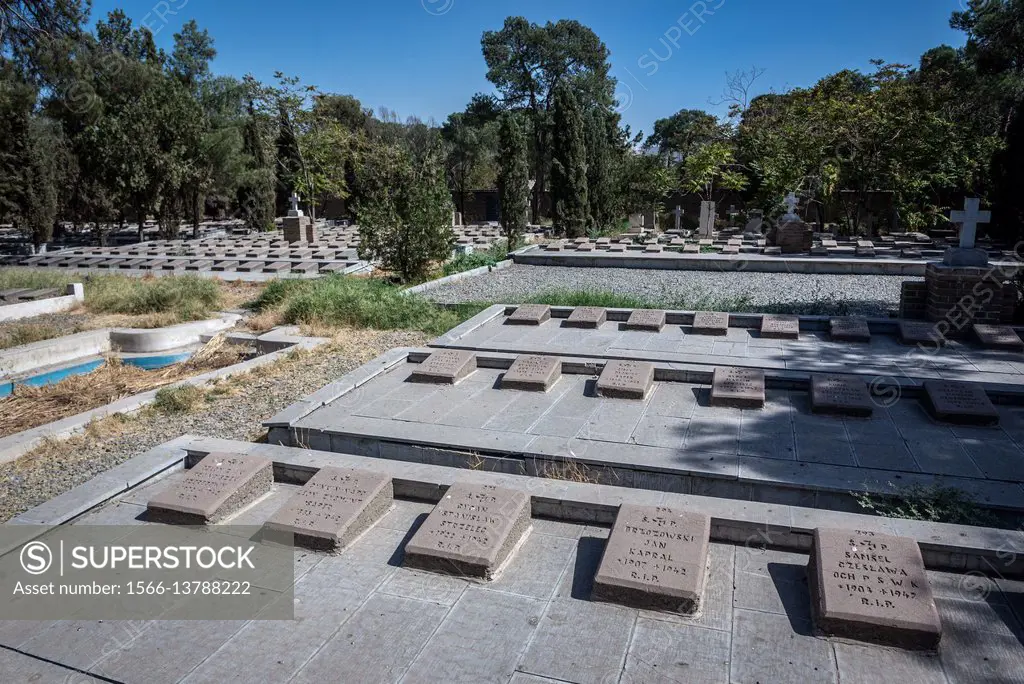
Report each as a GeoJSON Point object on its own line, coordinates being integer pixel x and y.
{"type": "Point", "coordinates": [295, 201]}
{"type": "Point", "coordinates": [969, 218]}
{"type": "Point", "coordinates": [792, 202]}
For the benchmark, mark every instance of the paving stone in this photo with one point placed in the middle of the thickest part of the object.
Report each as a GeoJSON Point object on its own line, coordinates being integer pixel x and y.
{"type": "Point", "coordinates": [472, 531]}
{"type": "Point", "coordinates": [710, 323]}
{"type": "Point", "coordinates": [737, 387]}
{"type": "Point", "coordinates": [872, 587]}
{"type": "Point", "coordinates": [529, 314]}
{"type": "Point", "coordinates": [920, 332]}
{"type": "Point", "coordinates": [532, 373]}
{"type": "Point", "coordinates": [840, 395]}
{"type": "Point", "coordinates": [655, 558]}
{"type": "Point", "coordinates": [668, 652]}
{"type": "Point", "coordinates": [216, 487]}
{"type": "Point", "coordinates": [586, 317]}
{"type": "Point", "coordinates": [626, 379]}
{"type": "Point", "coordinates": [776, 648]}
{"type": "Point", "coordinates": [963, 403]}
{"type": "Point", "coordinates": [998, 337]}
{"type": "Point", "coordinates": [860, 664]}
{"type": "Point", "coordinates": [646, 319]}
{"type": "Point", "coordinates": [780, 327]}
{"type": "Point", "coordinates": [446, 367]}
{"type": "Point", "coordinates": [333, 508]}
{"type": "Point", "coordinates": [849, 329]}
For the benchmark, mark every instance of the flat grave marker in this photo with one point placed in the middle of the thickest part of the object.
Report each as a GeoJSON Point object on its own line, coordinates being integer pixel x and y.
{"type": "Point", "coordinates": [710, 323]}
{"type": "Point", "coordinates": [656, 558]}
{"type": "Point", "coordinates": [650, 320]}
{"type": "Point", "coordinates": [586, 317]}
{"type": "Point", "coordinates": [872, 587]}
{"type": "Point", "coordinates": [626, 380]}
{"type": "Point", "coordinates": [849, 329]}
{"type": "Point", "coordinates": [472, 531]}
{"type": "Point", "coordinates": [998, 337]}
{"type": "Point", "coordinates": [780, 327]}
{"type": "Point", "coordinates": [446, 367]}
{"type": "Point", "coordinates": [963, 403]}
{"type": "Point", "coordinates": [840, 395]}
{"type": "Point", "coordinates": [333, 508]}
{"type": "Point", "coordinates": [737, 387]}
{"type": "Point", "coordinates": [532, 373]}
{"type": "Point", "coordinates": [920, 332]}
{"type": "Point", "coordinates": [530, 314]}
{"type": "Point", "coordinates": [213, 489]}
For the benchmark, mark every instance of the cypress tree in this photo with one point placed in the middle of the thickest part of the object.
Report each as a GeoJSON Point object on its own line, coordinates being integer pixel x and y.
{"type": "Point", "coordinates": [513, 179]}
{"type": "Point", "coordinates": [569, 166]}
{"type": "Point", "coordinates": [599, 168]}
{"type": "Point", "coordinates": [256, 190]}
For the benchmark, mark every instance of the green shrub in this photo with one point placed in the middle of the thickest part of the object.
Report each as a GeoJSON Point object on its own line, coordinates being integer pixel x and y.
{"type": "Point", "coordinates": [932, 504]}
{"type": "Point", "coordinates": [180, 399]}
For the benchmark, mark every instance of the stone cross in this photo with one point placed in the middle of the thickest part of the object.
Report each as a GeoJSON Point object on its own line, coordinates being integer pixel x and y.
{"type": "Point", "coordinates": [678, 213]}
{"type": "Point", "coordinates": [969, 218]}
{"type": "Point", "coordinates": [792, 202]}
{"type": "Point", "coordinates": [295, 201]}
{"type": "Point", "coordinates": [733, 214]}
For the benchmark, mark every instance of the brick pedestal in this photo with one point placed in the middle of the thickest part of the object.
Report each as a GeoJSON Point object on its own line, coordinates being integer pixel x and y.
{"type": "Point", "coordinates": [793, 237]}
{"type": "Point", "coordinates": [299, 229]}
{"type": "Point", "coordinates": [964, 296]}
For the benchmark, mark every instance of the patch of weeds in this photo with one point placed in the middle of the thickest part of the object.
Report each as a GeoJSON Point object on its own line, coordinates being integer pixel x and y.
{"type": "Point", "coordinates": [496, 253]}
{"type": "Point", "coordinates": [928, 503]}
{"type": "Point", "coordinates": [180, 399]}
{"type": "Point", "coordinates": [188, 297]}
{"type": "Point", "coordinates": [12, 278]}
{"type": "Point", "coordinates": [17, 334]}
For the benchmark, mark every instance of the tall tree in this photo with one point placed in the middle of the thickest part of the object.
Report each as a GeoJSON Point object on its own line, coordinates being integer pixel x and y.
{"type": "Point", "coordinates": [513, 179]}
{"type": "Point", "coordinates": [470, 159]}
{"type": "Point", "coordinates": [600, 149]}
{"type": "Point", "coordinates": [256, 185]}
{"type": "Point", "coordinates": [569, 166]}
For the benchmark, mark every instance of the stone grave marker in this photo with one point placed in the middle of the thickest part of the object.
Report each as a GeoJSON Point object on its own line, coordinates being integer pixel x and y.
{"type": "Point", "coordinates": [532, 373]}
{"type": "Point", "coordinates": [213, 489]}
{"type": "Point", "coordinates": [529, 314]}
{"type": "Point", "coordinates": [334, 507]}
{"type": "Point", "coordinates": [654, 249]}
{"type": "Point", "coordinates": [446, 367]}
{"type": "Point", "coordinates": [472, 531]}
{"type": "Point", "coordinates": [651, 320]}
{"type": "Point", "coordinates": [998, 337]}
{"type": "Point", "coordinates": [849, 329]}
{"type": "Point", "coordinates": [586, 317]}
{"type": "Point", "coordinates": [840, 395]}
{"type": "Point", "coordinates": [780, 327]}
{"type": "Point", "coordinates": [737, 387]}
{"type": "Point", "coordinates": [920, 332]}
{"type": "Point", "coordinates": [656, 558]}
{"type": "Point", "coordinates": [963, 403]}
{"type": "Point", "coordinates": [691, 249]}
{"type": "Point", "coordinates": [626, 379]}
{"type": "Point", "coordinates": [710, 323]}
{"type": "Point", "coordinates": [872, 587]}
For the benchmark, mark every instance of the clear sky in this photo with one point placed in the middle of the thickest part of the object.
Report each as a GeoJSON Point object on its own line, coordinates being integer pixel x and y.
{"type": "Point", "coordinates": [422, 57]}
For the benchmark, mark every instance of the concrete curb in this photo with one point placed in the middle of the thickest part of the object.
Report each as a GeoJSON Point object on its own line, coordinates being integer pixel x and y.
{"type": "Point", "coordinates": [13, 312]}
{"type": "Point", "coordinates": [455, 277]}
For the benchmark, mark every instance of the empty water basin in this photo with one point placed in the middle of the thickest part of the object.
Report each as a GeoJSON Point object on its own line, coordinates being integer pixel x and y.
{"type": "Point", "coordinates": [55, 375]}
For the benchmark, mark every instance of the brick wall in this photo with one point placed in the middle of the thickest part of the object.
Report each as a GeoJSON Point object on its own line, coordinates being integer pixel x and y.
{"type": "Point", "coordinates": [963, 296]}
{"type": "Point", "coordinates": [913, 300]}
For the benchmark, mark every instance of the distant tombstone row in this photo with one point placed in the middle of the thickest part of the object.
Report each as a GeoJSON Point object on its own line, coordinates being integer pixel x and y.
{"type": "Point", "coordinates": [863, 585]}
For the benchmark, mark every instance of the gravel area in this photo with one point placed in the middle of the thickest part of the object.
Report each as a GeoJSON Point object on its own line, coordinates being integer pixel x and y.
{"type": "Point", "coordinates": [55, 468]}
{"type": "Point", "coordinates": [763, 292]}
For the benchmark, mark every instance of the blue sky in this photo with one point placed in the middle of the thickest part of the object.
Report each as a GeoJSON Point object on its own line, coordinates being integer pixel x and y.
{"type": "Point", "coordinates": [422, 57]}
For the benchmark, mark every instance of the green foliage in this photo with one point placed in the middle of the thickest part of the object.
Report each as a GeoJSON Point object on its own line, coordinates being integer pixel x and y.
{"type": "Point", "coordinates": [569, 167]}
{"type": "Point", "coordinates": [179, 399]}
{"type": "Point", "coordinates": [709, 166]}
{"type": "Point", "coordinates": [467, 262]}
{"type": "Point", "coordinates": [931, 504]}
{"type": "Point", "coordinates": [189, 297]}
{"type": "Point", "coordinates": [684, 133]}
{"type": "Point", "coordinates": [513, 179]}
{"type": "Point", "coordinates": [12, 278]}
{"type": "Point", "coordinates": [600, 168]}
{"type": "Point", "coordinates": [471, 150]}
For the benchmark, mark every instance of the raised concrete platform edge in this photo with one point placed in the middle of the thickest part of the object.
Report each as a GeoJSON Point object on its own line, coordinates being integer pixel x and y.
{"type": "Point", "coordinates": [13, 312]}
{"type": "Point", "coordinates": [455, 277]}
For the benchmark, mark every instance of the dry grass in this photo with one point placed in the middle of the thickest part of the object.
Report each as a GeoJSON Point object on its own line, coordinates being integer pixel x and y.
{"type": "Point", "coordinates": [30, 407]}
{"type": "Point", "coordinates": [570, 471]}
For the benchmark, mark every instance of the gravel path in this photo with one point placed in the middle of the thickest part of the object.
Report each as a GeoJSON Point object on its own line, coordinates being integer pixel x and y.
{"type": "Point", "coordinates": [55, 468]}
{"type": "Point", "coordinates": [762, 292]}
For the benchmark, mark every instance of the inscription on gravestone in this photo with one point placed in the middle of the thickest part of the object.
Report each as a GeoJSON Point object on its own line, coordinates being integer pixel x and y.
{"type": "Point", "coordinates": [530, 314]}
{"type": "Point", "coordinates": [646, 319]}
{"type": "Point", "coordinates": [710, 323]}
{"type": "Point", "coordinates": [850, 329]}
{"type": "Point", "coordinates": [586, 317]}
{"type": "Point", "coordinates": [738, 387]}
{"type": "Point", "coordinates": [780, 327]}
{"type": "Point", "coordinates": [626, 379]}
{"type": "Point", "coordinates": [445, 367]}
{"type": "Point", "coordinates": [872, 587]}
{"type": "Point", "coordinates": [333, 508]}
{"type": "Point", "coordinates": [998, 337]}
{"type": "Point", "coordinates": [919, 332]}
{"type": "Point", "coordinates": [213, 489]}
{"type": "Point", "coordinates": [963, 403]}
{"type": "Point", "coordinates": [532, 373]}
{"type": "Point", "coordinates": [840, 395]}
{"type": "Point", "coordinates": [655, 558]}
{"type": "Point", "coordinates": [472, 531]}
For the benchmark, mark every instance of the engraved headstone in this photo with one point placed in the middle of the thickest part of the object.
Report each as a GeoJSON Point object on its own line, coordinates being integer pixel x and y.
{"type": "Point", "coordinates": [850, 329]}
{"type": "Point", "coordinates": [646, 319]}
{"type": "Point", "coordinates": [472, 531]}
{"type": "Point", "coordinates": [737, 387]}
{"type": "Point", "coordinates": [872, 587]}
{"type": "Point", "coordinates": [840, 395]}
{"type": "Point", "coordinates": [656, 558]}
{"type": "Point", "coordinates": [626, 379]}
{"type": "Point", "coordinates": [532, 373]}
{"type": "Point", "coordinates": [213, 489]}
{"type": "Point", "coordinates": [998, 337]}
{"type": "Point", "coordinates": [530, 314]}
{"type": "Point", "coordinates": [710, 323]}
{"type": "Point", "coordinates": [586, 317]}
{"type": "Point", "coordinates": [780, 327]}
{"type": "Point", "coordinates": [333, 508]}
{"type": "Point", "coordinates": [963, 403]}
{"type": "Point", "coordinates": [445, 367]}
{"type": "Point", "coordinates": [920, 332]}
